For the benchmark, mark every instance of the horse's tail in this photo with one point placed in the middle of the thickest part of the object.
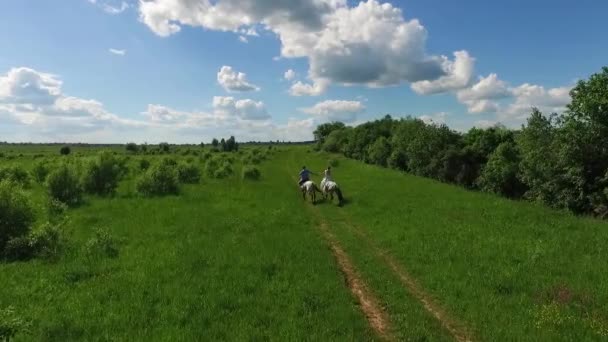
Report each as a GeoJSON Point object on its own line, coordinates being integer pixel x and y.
{"type": "Point", "coordinates": [339, 193]}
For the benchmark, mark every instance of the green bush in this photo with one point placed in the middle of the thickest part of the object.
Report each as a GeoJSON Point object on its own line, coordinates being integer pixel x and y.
{"type": "Point", "coordinates": [56, 209]}
{"type": "Point", "coordinates": [223, 171]}
{"type": "Point", "coordinates": [63, 184]}
{"type": "Point", "coordinates": [15, 174]}
{"type": "Point", "coordinates": [144, 164]}
{"type": "Point", "coordinates": [211, 165]}
{"type": "Point", "coordinates": [40, 171]}
{"type": "Point", "coordinates": [188, 173]}
{"type": "Point", "coordinates": [48, 241]}
{"type": "Point", "coordinates": [333, 162]}
{"type": "Point", "coordinates": [65, 150]}
{"type": "Point", "coordinates": [251, 173]}
{"type": "Point", "coordinates": [102, 244]}
{"type": "Point", "coordinates": [11, 324]}
{"type": "Point", "coordinates": [16, 213]}
{"type": "Point", "coordinates": [101, 175]}
{"type": "Point", "coordinates": [160, 179]}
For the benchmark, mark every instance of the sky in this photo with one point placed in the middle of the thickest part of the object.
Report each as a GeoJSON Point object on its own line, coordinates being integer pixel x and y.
{"type": "Point", "coordinates": [186, 71]}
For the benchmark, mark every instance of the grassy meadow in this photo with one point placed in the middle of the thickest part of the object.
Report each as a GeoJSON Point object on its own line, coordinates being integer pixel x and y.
{"type": "Point", "coordinates": [235, 259]}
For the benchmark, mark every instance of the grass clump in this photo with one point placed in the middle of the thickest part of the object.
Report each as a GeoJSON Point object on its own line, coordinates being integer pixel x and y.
{"type": "Point", "coordinates": [102, 244]}
{"type": "Point", "coordinates": [11, 324]}
{"type": "Point", "coordinates": [251, 172]}
{"type": "Point", "coordinates": [161, 179]}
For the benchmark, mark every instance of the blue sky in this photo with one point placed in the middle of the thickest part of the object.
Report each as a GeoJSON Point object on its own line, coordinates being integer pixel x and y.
{"type": "Point", "coordinates": [361, 71]}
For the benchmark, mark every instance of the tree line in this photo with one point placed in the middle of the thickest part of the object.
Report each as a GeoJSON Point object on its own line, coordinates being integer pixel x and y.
{"type": "Point", "coordinates": [559, 160]}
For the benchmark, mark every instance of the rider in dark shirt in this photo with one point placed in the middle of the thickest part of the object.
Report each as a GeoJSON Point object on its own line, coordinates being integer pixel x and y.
{"type": "Point", "coordinates": [305, 175]}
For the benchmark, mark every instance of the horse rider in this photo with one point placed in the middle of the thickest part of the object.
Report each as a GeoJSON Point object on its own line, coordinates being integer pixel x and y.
{"type": "Point", "coordinates": [305, 175]}
{"type": "Point", "coordinates": [327, 177]}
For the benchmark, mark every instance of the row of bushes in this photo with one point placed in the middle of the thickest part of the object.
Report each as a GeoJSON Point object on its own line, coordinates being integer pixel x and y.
{"type": "Point", "coordinates": [561, 161]}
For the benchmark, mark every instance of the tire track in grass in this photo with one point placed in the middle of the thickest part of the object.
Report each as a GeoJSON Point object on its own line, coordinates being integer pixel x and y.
{"type": "Point", "coordinates": [368, 303]}
{"type": "Point", "coordinates": [456, 328]}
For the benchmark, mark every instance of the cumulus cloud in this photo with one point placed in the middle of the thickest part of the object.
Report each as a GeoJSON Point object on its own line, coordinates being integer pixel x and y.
{"type": "Point", "coordinates": [34, 104]}
{"type": "Point", "coordinates": [526, 96]}
{"type": "Point", "coordinates": [370, 44]}
{"type": "Point", "coordinates": [289, 75]}
{"type": "Point", "coordinates": [243, 39]}
{"type": "Point", "coordinates": [232, 80]}
{"type": "Point", "coordinates": [457, 75]}
{"type": "Point", "coordinates": [27, 86]}
{"type": "Point", "coordinates": [246, 109]}
{"type": "Point", "coordinates": [306, 89]}
{"type": "Point", "coordinates": [117, 52]}
{"type": "Point", "coordinates": [335, 110]}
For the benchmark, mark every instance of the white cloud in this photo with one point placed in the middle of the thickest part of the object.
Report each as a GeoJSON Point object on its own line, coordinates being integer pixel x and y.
{"type": "Point", "coordinates": [34, 104]}
{"type": "Point", "coordinates": [335, 110]}
{"type": "Point", "coordinates": [458, 75]}
{"type": "Point", "coordinates": [117, 52]}
{"type": "Point", "coordinates": [526, 96]}
{"type": "Point", "coordinates": [159, 113]}
{"type": "Point", "coordinates": [231, 80]}
{"type": "Point", "coordinates": [370, 44]}
{"type": "Point", "coordinates": [111, 7]}
{"type": "Point", "coordinates": [247, 109]}
{"type": "Point", "coordinates": [243, 39]}
{"type": "Point", "coordinates": [482, 106]}
{"type": "Point", "coordinates": [305, 89]}
{"type": "Point", "coordinates": [289, 75]}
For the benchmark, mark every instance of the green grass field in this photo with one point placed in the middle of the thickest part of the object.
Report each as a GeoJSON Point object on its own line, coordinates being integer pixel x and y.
{"type": "Point", "coordinates": [236, 260]}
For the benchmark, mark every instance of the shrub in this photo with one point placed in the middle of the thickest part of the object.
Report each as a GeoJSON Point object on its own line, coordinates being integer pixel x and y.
{"type": "Point", "coordinates": [131, 147]}
{"type": "Point", "coordinates": [63, 184]}
{"type": "Point", "coordinates": [223, 171]}
{"type": "Point", "coordinates": [65, 150]}
{"type": "Point", "coordinates": [101, 175]}
{"type": "Point", "coordinates": [40, 171]}
{"type": "Point", "coordinates": [48, 241]}
{"type": "Point", "coordinates": [251, 172]}
{"type": "Point", "coordinates": [211, 166]}
{"type": "Point", "coordinates": [164, 147]}
{"type": "Point", "coordinates": [102, 244]}
{"type": "Point", "coordinates": [16, 213]}
{"type": "Point", "coordinates": [144, 164]}
{"type": "Point", "coordinates": [15, 174]}
{"type": "Point", "coordinates": [160, 179]}
{"type": "Point", "coordinates": [188, 173]}
{"type": "Point", "coordinates": [56, 209]}
{"type": "Point", "coordinates": [333, 162]}
{"type": "Point", "coordinates": [11, 324]}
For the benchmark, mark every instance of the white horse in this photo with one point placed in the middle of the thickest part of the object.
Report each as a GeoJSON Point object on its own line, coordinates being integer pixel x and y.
{"type": "Point", "coordinates": [310, 188]}
{"type": "Point", "coordinates": [329, 187]}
